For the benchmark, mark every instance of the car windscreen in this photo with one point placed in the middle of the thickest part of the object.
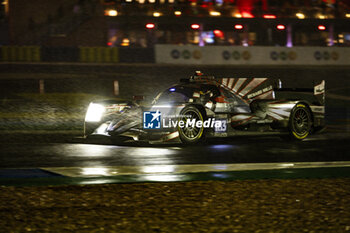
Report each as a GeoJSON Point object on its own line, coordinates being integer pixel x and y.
{"type": "Point", "coordinates": [169, 97]}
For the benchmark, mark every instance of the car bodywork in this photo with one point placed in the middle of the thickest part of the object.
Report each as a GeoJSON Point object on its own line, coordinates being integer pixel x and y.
{"type": "Point", "coordinates": [243, 106]}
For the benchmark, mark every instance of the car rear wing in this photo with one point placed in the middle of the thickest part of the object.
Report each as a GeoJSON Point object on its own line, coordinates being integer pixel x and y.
{"type": "Point", "coordinates": [315, 95]}
{"type": "Point", "coordinates": [320, 92]}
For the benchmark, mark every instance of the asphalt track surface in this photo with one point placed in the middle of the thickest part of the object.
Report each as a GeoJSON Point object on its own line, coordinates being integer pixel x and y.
{"type": "Point", "coordinates": [325, 147]}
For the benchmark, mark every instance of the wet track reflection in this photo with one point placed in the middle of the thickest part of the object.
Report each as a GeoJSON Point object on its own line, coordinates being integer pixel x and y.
{"type": "Point", "coordinates": [325, 147]}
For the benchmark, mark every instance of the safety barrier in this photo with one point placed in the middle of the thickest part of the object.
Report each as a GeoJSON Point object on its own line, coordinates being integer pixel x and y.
{"type": "Point", "coordinates": [257, 55]}
{"type": "Point", "coordinates": [186, 54]}
{"type": "Point", "coordinates": [20, 53]}
{"type": "Point", "coordinates": [60, 54]}
{"type": "Point", "coordinates": [136, 55]}
{"type": "Point", "coordinates": [99, 54]}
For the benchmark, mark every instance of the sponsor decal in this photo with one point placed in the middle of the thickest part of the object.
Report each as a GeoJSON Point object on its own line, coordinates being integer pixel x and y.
{"type": "Point", "coordinates": [274, 55]}
{"type": "Point", "coordinates": [335, 55]}
{"type": "Point", "coordinates": [325, 55]}
{"type": "Point", "coordinates": [317, 109]}
{"type": "Point", "coordinates": [319, 89]}
{"type": "Point", "coordinates": [197, 54]}
{"type": "Point", "coordinates": [292, 55]}
{"type": "Point", "coordinates": [259, 92]}
{"type": "Point", "coordinates": [318, 55]}
{"type": "Point", "coordinates": [175, 54]}
{"type": "Point", "coordinates": [154, 120]}
{"type": "Point", "coordinates": [226, 55]}
{"type": "Point", "coordinates": [236, 55]}
{"type": "Point", "coordinates": [246, 55]}
{"type": "Point", "coordinates": [283, 55]}
{"type": "Point", "coordinates": [186, 54]}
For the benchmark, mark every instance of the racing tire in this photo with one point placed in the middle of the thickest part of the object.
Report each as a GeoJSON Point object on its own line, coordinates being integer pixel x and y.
{"type": "Point", "coordinates": [300, 122]}
{"type": "Point", "coordinates": [192, 135]}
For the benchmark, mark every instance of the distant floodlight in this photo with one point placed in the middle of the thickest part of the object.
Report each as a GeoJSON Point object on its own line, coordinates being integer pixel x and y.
{"type": "Point", "coordinates": [150, 25]}
{"type": "Point", "coordinates": [321, 27]}
{"type": "Point", "coordinates": [280, 27]}
{"type": "Point", "coordinates": [177, 13]}
{"type": "Point", "coordinates": [156, 14]}
{"type": "Point", "coordinates": [218, 33]}
{"type": "Point", "coordinates": [112, 13]}
{"type": "Point", "coordinates": [214, 13]}
{"type": "Point", "coordinates": [300, 15]}
{"type": "Point", "coordinates": [195, 26]}
{"type": "Point", "coordinates": [239, 26]}
{"type": "Point", "coordinates": [269, 16]}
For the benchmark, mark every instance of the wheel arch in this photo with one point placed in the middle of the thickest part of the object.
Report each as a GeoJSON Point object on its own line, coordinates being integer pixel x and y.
{"type": "Point", "coordinates": [200, 107]}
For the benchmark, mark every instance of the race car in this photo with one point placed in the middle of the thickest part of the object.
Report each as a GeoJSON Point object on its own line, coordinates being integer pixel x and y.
{"type": "Point", "coordinates": [202, 107]}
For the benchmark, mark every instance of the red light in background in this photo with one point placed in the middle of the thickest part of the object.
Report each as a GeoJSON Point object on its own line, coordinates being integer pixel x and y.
{"type": "Point", "coordinates": [109, 43]}
{"type": "Point", "coordinates": [246, 14]}
{"type": "Point", "coordinates": [150, 25]}
{"type": "Point", "coordinates": [269, 16]}
{"type": "Point", "coordinates": [321, 27]}
{"type": "Point", "coordinates": [280, 27]}
{"type": "Point", "coordinates": [238, 26]}
{"type": "Point", "coordinates": [218, 33]}
{"type": "Point", "coordinates": [195, 26]}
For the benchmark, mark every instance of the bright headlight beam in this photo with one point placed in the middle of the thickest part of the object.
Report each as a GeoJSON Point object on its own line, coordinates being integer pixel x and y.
{"type": "Point", "coordinates": [94, 112]}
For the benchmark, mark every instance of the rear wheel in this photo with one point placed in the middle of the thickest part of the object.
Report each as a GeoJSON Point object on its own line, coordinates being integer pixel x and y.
{"type": "Point", "coordinates": [300, 122]}
{"type": "Point", "coordinates": [191, 134]}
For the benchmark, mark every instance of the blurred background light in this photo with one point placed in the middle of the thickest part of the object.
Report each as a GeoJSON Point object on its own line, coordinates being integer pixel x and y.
{"type": "Point", "coordinates": [246, 14]}
{"type": "Point", "coordinates": [150, 25]}
{"type": "Point", "coordinates": [218, 33]}
{"type": "Point", "coordinates": [215, 13]}
{"type": "Point", "coordinates": [156, 14]}
{"type": "Point", "coordinates": [195, 26]}
{"type": "Point", "coordinates": [300, 15]}
{"type": "Point", "coordinates": [125, 42]}
{"type": "Point", "coordinates": [238, 26]}
{"type": "Point", "coordinates": [321, 27]}
{"type": "Point", "coordinates": [177, 13]}
{"type": "Point", "coordinates": [112, 13]}
{"type": "Point", "coordinates": [280, 27]}
{"type": "Point", "coordinates": [269, 16]}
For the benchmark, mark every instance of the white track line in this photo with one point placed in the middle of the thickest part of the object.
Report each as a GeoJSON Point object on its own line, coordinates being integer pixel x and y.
{"type": "Point", "coordinates": [187, 168]}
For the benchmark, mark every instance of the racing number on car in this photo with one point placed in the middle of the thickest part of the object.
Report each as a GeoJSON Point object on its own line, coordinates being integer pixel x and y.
{"type": "Point", "coordinates": [222, 128]}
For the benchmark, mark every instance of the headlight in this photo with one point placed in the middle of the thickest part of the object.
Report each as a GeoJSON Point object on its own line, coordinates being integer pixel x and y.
{"type": "Point", "coordinates": [94, 112]}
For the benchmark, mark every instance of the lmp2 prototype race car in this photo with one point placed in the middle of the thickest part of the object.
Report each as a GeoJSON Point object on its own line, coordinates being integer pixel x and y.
{"type": "Point", "coordinates": [202, 107]}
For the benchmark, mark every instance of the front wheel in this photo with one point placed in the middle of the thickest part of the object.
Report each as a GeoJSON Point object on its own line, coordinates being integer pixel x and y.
{"type": "Point", "coordinates": [300, 122]}
{"type": "Point", "coordinates": [192, 133]}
